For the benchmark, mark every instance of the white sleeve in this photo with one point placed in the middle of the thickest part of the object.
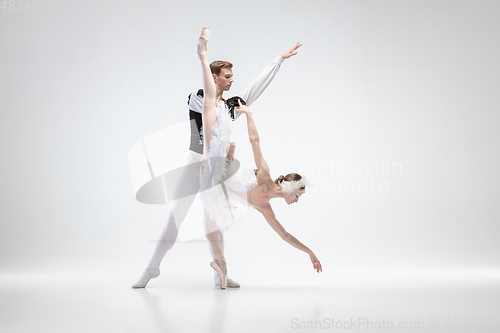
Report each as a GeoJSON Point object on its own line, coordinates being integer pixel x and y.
{"type": "Point", "coordinates": [260, 84]}
{"type": "Point", "coordinates": [196, 101]}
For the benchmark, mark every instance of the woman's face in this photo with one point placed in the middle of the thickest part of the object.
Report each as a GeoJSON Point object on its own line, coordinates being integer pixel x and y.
{"type": "Point", "coordinates": [294, 197]}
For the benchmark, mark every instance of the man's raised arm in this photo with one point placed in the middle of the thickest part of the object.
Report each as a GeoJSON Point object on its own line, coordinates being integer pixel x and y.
{"type": "Point", "coordinates": [260, 84]}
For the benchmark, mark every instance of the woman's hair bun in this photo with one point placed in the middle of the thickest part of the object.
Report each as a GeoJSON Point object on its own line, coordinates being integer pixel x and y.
{"type": "Point", "coordinates": [279, 180]}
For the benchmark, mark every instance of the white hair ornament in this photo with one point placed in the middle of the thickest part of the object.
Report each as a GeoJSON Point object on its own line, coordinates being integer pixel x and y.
{"type": "Point", "coordinates": [294, 185]}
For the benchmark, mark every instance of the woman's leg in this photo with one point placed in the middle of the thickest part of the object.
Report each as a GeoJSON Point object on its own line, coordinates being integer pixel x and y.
{"type": "Point", "coordinates": [214, 238]}
{"type": "Point", "coordinates": [209, 116]}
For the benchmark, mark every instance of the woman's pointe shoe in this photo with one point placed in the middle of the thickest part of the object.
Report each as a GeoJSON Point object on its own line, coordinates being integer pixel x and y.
{"type": "Point", "coordinates": [203, 43]}
{"type": "Point", "coordinates": [148, 275]}
{"type": "Point", "coordinates": [219, 271]}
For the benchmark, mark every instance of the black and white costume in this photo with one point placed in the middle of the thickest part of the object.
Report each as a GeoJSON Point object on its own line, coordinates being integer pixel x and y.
{"type": "Point", "coordinates": [256, 88]}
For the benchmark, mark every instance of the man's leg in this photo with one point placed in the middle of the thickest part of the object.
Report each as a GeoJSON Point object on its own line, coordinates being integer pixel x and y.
{"type": "Point", "coordinates": [188, 182]}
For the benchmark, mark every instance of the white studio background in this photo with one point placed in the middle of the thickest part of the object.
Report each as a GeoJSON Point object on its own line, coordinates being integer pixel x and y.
{"type": "Point", "coordinates": [390, 109]}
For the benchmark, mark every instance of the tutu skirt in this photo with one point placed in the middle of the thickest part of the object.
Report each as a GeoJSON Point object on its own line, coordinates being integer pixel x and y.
{"type": "Point", "coordinates": [220, 179]}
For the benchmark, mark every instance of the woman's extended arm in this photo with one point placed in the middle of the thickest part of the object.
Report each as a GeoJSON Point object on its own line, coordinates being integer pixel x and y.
{"type": "Point", "coordinates": [254, 138]}
{"type": "Point", "coordinates": [271, 219]}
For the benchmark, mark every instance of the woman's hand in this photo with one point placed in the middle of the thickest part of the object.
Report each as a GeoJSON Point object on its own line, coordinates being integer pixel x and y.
{"type": "Point", "coordinates": [243, 108]}
{"type": "Point", "coordinates": [291, 52]}
{"type": "Point", "coordinates": [316, 263]}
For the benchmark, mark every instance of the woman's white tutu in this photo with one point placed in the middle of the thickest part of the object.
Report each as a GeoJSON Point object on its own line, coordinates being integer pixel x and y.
{"type": "Point", "coordinates": [217, 190]}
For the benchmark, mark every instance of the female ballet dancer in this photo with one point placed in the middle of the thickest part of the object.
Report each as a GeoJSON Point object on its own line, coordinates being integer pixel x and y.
{"type": "Point", "coordinates": [220, 196]}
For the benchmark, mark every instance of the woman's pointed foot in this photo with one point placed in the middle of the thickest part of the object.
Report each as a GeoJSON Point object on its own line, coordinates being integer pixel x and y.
{"type": "Point", "coordinates": [203, 43]}
{"type": "Point", "coordinates": [229, 282]}
{"type": "Point", "coordinates": [146, 276]}
{"type": "Point", "coordinates": [222, 276]}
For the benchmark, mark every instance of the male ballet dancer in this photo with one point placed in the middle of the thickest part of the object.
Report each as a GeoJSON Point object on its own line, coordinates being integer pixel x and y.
{"type": "Point", "coordinates": [188, 184]}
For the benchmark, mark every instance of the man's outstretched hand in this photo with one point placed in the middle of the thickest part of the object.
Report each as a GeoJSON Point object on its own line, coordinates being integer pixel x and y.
{"type": "Point", "coordinates": [291, 52]}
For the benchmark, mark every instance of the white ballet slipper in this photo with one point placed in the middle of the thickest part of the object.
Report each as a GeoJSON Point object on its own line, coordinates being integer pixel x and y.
{"type": "Point", "coordinates": [146, 276]}
{"type": "Point", "coordinates": [229, 282]}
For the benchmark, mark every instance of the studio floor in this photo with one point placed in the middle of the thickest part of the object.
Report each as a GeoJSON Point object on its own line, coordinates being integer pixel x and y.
{"type": "Point", "coordinates": [350, 300]}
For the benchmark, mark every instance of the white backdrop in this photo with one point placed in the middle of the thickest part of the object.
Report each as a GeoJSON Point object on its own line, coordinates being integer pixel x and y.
{"type": "Point", "coordinates": [390, 109]}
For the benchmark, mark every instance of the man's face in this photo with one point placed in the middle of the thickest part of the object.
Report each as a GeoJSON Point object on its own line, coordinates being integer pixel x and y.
{"type": "Point", "coordinates": [224, 80]}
